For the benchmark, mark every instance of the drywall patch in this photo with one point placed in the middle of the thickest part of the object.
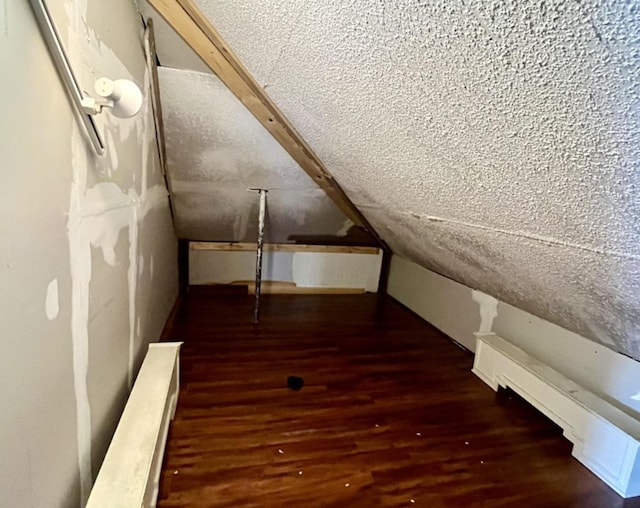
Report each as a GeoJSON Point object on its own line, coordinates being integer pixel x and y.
{"type": "Point", "coordinates": [141, 265]}
{"type": "Point", "coordinates": [132, 276]}
{"type": "Point", "coordinates": [488, 309]}
{"type": "Point", "coordinates": [80, 263]}
{"type": "Point", "coordinates": [51, 306]}
{"type": "Point", "coordinates": [98, 213]}
{"type": "Point", "coordinates": [98, 224]}
{"type": "Point", "coordinates": [344, 229]}
{"type": "Point", "coordinates": [91, 226]}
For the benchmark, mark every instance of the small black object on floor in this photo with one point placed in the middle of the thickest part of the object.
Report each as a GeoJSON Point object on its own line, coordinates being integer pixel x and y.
{"type": "Point", "coordinates": [295, 383]}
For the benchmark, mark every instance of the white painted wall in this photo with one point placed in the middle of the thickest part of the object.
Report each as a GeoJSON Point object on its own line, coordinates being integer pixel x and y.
{"type": "Point", "coordinates": [305, 269]}
{"type": "Point", "coordinates": [454, 309]}
{"type": "Point", "coordinates": [87, 257]}
{"type": "Point", "coordinates": [223, 267]}
{"type": "Point", "coordinates": [430, 296]}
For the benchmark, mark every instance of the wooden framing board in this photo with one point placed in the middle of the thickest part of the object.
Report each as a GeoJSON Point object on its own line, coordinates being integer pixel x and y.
{"type": "Point", "coordinates": [196, 30]}
{"type": "Point", "coordinates": [276, 287]}
{"type": "Point", "coordinates": [156, 106]}
{"type": "Point", "coordinates": [151, 55]}
{"type": "Point", "coordinates": [283, 247]}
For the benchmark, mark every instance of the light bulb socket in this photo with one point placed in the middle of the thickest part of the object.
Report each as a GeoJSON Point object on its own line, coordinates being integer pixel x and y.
{"type": "Point", "coordinates": [122, 97]}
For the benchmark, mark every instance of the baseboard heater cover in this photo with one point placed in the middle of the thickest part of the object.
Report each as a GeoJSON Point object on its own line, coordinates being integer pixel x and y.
{"type": "Point", "coordinates": [129, 476]}
{"type": "Point", "coordinates": [605, 439]}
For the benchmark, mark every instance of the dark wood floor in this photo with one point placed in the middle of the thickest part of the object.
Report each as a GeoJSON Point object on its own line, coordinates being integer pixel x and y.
{"type": "Point", "coordinates": [390, 415]}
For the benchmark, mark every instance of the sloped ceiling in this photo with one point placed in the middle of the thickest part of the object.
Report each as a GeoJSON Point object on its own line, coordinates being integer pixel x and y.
{"type": "Point", "coordinates": [217, 152]}
{"type": "Point", "coordinates": [497, 143]}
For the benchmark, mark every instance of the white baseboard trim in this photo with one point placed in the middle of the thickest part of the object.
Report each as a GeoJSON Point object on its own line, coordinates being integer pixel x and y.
{"type": "Point", "coordinates": [130, 473]}
{"type": "Point", "coordinates": [605, 439]}
{"type": "Point", "coordinates": [459, 312]}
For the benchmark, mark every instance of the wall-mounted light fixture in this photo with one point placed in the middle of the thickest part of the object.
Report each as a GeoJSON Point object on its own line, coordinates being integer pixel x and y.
{"type": "Point", "coordinates": [122, 96]}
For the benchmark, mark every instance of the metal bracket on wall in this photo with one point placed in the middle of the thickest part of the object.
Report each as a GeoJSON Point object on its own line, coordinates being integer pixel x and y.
{"type": "Point", "coordinates": [61, 61]}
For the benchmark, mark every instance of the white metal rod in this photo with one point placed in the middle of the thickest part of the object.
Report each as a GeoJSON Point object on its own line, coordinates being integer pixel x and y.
{"type": "Point", "coordinates": [61, 61]}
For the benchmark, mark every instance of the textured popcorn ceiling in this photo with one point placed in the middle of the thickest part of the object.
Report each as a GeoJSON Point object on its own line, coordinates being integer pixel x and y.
{"type": "Point", "coordinates": [216, 152]}
{"type": "Point", "coordinates": [495, 142]}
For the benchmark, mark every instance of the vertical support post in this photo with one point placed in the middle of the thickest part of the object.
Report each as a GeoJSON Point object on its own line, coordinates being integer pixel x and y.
{"type": "Point", "coordinates": [261, 216]}
{"type": "Point", "coordinates": [383, 282]}
{"type": "Point", "coordinates": [183, 267]}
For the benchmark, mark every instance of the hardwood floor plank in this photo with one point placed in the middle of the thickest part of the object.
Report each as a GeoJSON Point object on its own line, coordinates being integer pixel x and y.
{"type": "Point", "coordinates": [389, 415]}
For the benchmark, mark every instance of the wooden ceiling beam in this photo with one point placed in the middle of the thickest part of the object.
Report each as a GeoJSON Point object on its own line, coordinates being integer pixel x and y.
{"type": "Point", "coordinates": [196, 30]}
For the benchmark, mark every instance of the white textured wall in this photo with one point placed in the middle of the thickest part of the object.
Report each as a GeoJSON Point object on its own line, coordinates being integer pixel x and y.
{"type": "Point", "coordinates": [494, 142]}
{"type": "Point", "coordinates": [88, 257]}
